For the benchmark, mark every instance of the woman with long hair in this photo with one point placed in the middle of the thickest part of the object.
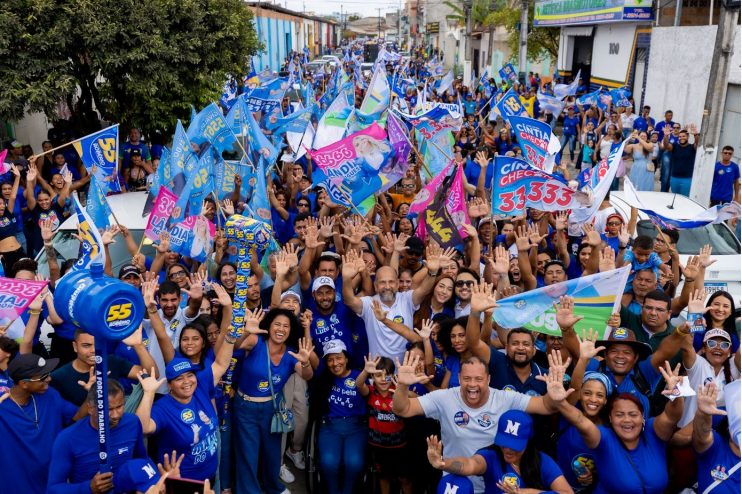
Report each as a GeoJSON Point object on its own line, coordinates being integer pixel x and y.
{"type": "Point", "coordinates": [719, 313]}
{"type": "Point", "coordinates": [226, 274]}
{"type": "Point", "coordinates": [440, 300]}
{"type": "Point", "coordinates": [511, 465]}
{"type": "Point", "coordinates": [642, 170]}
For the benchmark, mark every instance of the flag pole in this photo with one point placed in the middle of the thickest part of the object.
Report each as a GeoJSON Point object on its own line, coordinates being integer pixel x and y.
{"type": "Point", "coordinates": [33, 157]}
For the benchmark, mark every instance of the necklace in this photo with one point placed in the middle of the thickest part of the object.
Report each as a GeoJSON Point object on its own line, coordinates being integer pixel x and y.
{"type": "Point", "coordinates": [35, 411]}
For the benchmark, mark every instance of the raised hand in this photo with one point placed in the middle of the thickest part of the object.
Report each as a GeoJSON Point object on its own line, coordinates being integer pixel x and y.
{"type": "Point", "coordinates": [107, 236]}
{"type": "Point", "coordinates": [470, 230]}
{"type": "Point", "coordinates": [400, 242]}
{"type": "Point", "coordinates": [31, 173]}
{"type": "Point", "coordinates": [407, 374]}
{"type": "Point", "coordinates": [164, 246]}
{"type": "Point", "coordinates": [370, 364]}
{"type": "Point", "coordinates": [692, 269]}
{"type": "Point", "coordinates": [534, 236]}
{"type": "Point", "coordinates": [695, 304]}
{"type": "Point", "coordinates": [501, 263]}
{"type": "Point", "coordinates": [282, 265]}
{"type": "Point", "coordinates": [521, 239]}
{"type": "Point", "coordinates": [47, 230]}
{"type": "Point", "coordinates": [607, 259]}
{"type": "Point", "coordinates": [672, 378]}
{"type": "Point", "coordinates": [477, 208]}
{"type": "Point", "coordinates": [149, 383]}
{"type": "Point", "coordinates": [252, 321]}
{"type": "Point", "coordinates": [707, 396]}
{"type": "Point", "coordinates": [228, 207]}
{"type": "Point", "coordinates": [350, 267]}
{"type": "Point", "coordinates": [134, 339]}
{"type": "Point", "coordinates": [435, 452]}
{"type": "Point", "coordinates": [561, 221]}
{"type": "Point", "coordinates": [221, 295]}
{"type": "Point", "coordinates": [483, 298]}
{"type": "Point", "coordinates": [615, 320]}
{"type": "Point", "coordinates": [592, 237]}
{"type": "Point", "coordinates": [379, 312]}
{"type": "Point", "coordinates": [623, 235]}
{"type": "Point", "coordinates": [67, 177]}
{"type": "Point", "coordinates": [435, 256]}
{"type": "Point", "coordinates": [305, 350]}
{"type": "Point", "coordinates": [704, 256]}
{"type": "Point", "coordinates": [196, 288]}
{"type": "Point", "coordinates": [171, 464]}
{"type": "Point", "coordinates": [311, 238]}
{"type": "Point", "coordinates": [426, 329]}
{"type": "Point", "coordinates": [588, 350]}
{"type": "Point", "coordinates": [326, 226]}
{"type": "Point", "coordinates": [555, 379]}
{"type": "Point", "coordinates": [565, 313]}
{"type": "Point", "coordinates": [306, 319]}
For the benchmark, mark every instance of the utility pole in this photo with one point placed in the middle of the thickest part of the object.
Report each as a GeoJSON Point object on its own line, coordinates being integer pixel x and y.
{"type": "Point", "coordinates": [378, 24]}
{"type": "Point", "coordinates": [523, 47]}
{"type": "Point", "coordinates": [713, 108]}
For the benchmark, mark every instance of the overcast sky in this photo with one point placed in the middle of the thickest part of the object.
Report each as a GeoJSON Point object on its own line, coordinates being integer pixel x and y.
{"type": "Point", "coordinates": [365, 8]}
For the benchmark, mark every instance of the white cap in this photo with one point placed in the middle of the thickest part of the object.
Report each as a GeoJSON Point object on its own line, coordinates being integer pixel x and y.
{"type": "Point", "coordinates": [322, 281]}
{"type": "Point", "coordinates": [716, 333]}
{"type": "Point", "coordinates": [291, 293]}
{"type": "Point", "coordinates": [333, 346]}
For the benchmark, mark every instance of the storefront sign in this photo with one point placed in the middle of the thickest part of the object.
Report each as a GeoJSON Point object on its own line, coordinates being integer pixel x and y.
{"type": "Point", "coordinates": [569, 12]}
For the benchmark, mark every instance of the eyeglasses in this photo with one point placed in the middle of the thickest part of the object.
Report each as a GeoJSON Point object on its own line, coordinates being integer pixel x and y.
{"type": "Point", "coordinates": [614, 223]}
{"type": "Point", "coordinates": [658, 310]}
{"type": "Point", "coordinates": [38, 379]}
{"type": "Point", "coordinates": [178, 274]}
{"type": "Point", "coordinates": [724, 345]}
{"type": "Point", "coordinates": [407, 186]}
{"type": "Point", "coordinates": [463, 283]}
{"type": "Point", "coordinates": [302, 205]}
{"type": "Point", "coordinates": [726, 152]}
{"type": "Point", "coordinates": [676, 128]}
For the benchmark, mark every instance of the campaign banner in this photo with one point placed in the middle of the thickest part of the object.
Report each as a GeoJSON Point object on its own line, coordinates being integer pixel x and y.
{"type": "Point", "coordinates": [596, 297]}
{"type": "Point", "coordinates": [538, 143]}
{"type": "Point", "coordinates": [550, 104]}
{"type": "Point", "coordinates": [620, 97]}
{"type": "Point", "coordinates": [210, 126]}
{"type": "Point", "coordinates": [435, 130]}
{"type": "Point", "coordinates": [439, 224]}
{"type": "Point", "coordinates": [99, 155]}
{"type": "Point", "coordinates": [267, 97]}
{"type": "Point", "coordinates": [15, 296]}
{"type": "Point", "coordinates": [91, 242]}
{"type": "Point", "coordinates": [602, 176]}
{"type": "Point", "coordinates": [378, 94]}
{"type": "Point", "coordinates": [508, 73]}
{"type": "Point", "coordinates": [4, 167]}
{"type": "Point", "coordinates": [354, 163]}
{"type": "Point", "coordinates": [160, 215]}
{"type": "Point", "coordinates": [518, 185]}
{"type": "Point", "coordinates": [400, 143]}
{"type": "Point", "coordinates": [563, 90]}
{"type": "Point", "coordinates": [428, 192]}
{"type": "Point", "coordinates": [97, 205]}
{"type": "Point", "coordinates": [510, 106]}
{"type": "Point", "coordinates": [193, 237]}
{"type": "Point", "coordinates": [453, 108]}
{"type": "Point", "coordinates": [333, 123]}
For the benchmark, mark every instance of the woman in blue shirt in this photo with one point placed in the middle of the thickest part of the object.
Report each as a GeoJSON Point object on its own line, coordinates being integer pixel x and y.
{"type": "Point", "coordinates": [343, 430]}
{"type": "Point", "coordinates": [269, 342]}
{"type": "Point", "coordinates": [511, 464]}
{"type": "Point", "coordinates": [624, 449]}
{"type": "Point", "coordinates": [452, 337]}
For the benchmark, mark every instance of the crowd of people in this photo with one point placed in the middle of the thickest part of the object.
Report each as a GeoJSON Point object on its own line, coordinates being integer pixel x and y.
{"type": "Point", "coordinates": [379, 347]}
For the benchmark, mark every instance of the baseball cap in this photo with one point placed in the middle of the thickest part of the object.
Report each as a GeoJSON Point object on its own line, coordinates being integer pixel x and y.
{"type": "Point", "coordinates": [322, 281]}
{"type": "Point", "coordinates": [16, 144]}
{"type": "Point", "coordinates": [30, 365]}
{"type": "Point", "coordinates": [455, 483]}
{"type": "Point", "coordinates": [615, 215]}
{"type": "Point", "coordinates": [135, 152]}
{"type": "Point", "coordinates": [716, 333]}
{"type": "Point", "coordinates": [415, 246]}
{"type": "Point", "coordinates": [127, 270]}
{"type": "Point", "coordinates": [179, 366]}
{"type": "Point", "coordinates": [291, 293]}
{"type": "Point", "coordinates": [626, 337]}
{"type": "Point", "coordinates": [333, 346]}
{"type": "Point", "coordinates": [135, 475]}
{"type": "Point", "coordinates": [514, 429]}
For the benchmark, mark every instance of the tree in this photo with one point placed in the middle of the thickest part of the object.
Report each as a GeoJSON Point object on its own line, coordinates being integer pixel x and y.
{"type": "Point", "coordinates": [138, 63]}
{"type": "Point", "coordinates": [542, 41]}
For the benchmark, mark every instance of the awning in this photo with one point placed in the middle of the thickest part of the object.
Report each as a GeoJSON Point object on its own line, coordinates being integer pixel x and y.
{"type": "Point", "coordinates": [578, 30]}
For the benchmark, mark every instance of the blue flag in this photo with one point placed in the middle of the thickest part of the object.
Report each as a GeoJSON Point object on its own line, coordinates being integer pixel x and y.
{"type": "Point", "coordinates": [538, 143]}
{"type": "Point", "coordinates": [91, 245]}
{"type": "Point", "coordinates": [510, 105]}
{"type": "Point", "coordinates": [99, 155]}
{"type": "Point", "coordinates": [508, 73]}
{"type": "Point", "coordinates": [229, 94]}
{"type": "Point", "coordinates": [210, 126]}
{"type": "Point", "coordinates": [97, 206]}
{"type": "Point", "coordinates": [620, 97]}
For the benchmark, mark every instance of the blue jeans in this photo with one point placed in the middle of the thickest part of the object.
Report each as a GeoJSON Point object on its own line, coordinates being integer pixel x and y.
{"type": "Point", "coordinates": [664, 159]}
{"type": "Point", "coordinates": [225, 459]}
{"type": "Point", "coordinates": [254, 443]}
{"type": "Point", "coordinates": [572, 141]}
{"type": "Point", "coordinates": [680, 186]}
{"type": "Point", "coordinates": [342, 452]}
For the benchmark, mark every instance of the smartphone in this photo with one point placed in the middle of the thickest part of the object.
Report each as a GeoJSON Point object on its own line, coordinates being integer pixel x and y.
{"type": "Point", "coordinates": [183, 486]}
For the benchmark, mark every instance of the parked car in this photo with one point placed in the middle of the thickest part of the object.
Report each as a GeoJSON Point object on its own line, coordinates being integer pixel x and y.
{"type": "Point", "coordinates": [724, 274]}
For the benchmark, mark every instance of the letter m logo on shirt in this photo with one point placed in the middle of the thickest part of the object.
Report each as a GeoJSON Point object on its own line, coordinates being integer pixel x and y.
{"type": "Point", "coordinates": [512, 428]}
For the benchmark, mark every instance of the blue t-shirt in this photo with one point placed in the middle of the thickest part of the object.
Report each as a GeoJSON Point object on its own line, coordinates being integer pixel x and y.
{"type": "Point", "coordinates": [453, 365]}
{"type": "Point", "coordinates": [660, 127]}
{"type": "Point", "coordinates": [254, 374]}
{"type": "Point", "coordinates": [26, 448]}
{"type": "Point", "coordinates": [192, 429]}
{"type": "Point", "coordinates": [5, 382]}
{"type": "Point", "coordinates": [569, 125]}
{"type": "Point", "coordinates": [345, 399]}
{"type": "Point", "coordinates": [75, 461]}
{"type": "Point", "coordinates": [438, 364]}
{"type": "Point", "coordinates": [472, 171]}
{"type": "Point", "coordinates": [642, 469]}
{"type": "Point", "coordinates": [337, 325]}
{"type": "Point", "coordinates": [503, 376]}
{"type": "Point", "coordinates": [497, 472]}
{"type": "Point", "coordinates": [642, 124]}
{"type": "Point", "coordinates": [573, 453]}
{"type": "Point", "coordinates": [722, 187]}
{"type": "Point", "coordinates": [714, 464]}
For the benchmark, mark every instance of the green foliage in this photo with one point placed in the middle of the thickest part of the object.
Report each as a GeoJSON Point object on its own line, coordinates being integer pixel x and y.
{"type": "Point", "coordinates": [542, 42]}
{"type": "Point", "coordinates": [137, 63]}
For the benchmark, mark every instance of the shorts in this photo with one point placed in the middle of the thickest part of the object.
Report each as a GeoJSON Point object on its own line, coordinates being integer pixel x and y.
{"type": "Point", "coordinates": [390, 462]}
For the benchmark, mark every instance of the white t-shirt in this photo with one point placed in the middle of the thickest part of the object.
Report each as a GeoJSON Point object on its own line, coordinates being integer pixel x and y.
{"type": "Point", "coordinates": [173, 327]}
{"type": "Point", "coordinates": [698, 375]}
{"type": "Point", "coordinates": [382, 340]}
{"type": "Point", "coordinates": [465, 430]}
{"type": "Point", "coordinates": [627, 122]}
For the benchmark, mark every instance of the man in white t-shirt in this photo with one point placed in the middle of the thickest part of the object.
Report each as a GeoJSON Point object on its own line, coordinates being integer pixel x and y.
{"type": "Point", "coordinates": [469, 413]}
{"type": "Point", "coordinates": [400, 307]}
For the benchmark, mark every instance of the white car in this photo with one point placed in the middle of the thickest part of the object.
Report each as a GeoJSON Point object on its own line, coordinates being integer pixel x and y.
{"type": "Point", "coordinates": [724, 274]}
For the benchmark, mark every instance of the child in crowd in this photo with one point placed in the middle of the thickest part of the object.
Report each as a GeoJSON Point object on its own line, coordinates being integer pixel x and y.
{"type": "Point", "coordinates": [642, 256]}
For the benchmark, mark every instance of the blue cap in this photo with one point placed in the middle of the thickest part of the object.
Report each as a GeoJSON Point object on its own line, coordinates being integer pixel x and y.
{"type": "Point", "coordinates": [135, 475]}
{"type": "Point", "coordinates": [455, 483]}
{"type": "Point", "coordinates": [600, 377]}
{"type": "Point", "coordinates": [179, 366]}
{"type": "Point", "coordinates": [514, 429]}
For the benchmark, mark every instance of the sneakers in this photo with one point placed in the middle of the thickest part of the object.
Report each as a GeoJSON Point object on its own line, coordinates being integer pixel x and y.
{"type": "Point", "coordinates": [286, 475]}
{"type": "Point", "coordinates": [296, 457]}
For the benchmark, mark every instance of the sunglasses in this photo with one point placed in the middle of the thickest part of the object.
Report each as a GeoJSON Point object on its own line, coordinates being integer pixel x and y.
{"type": "Point", "coordinates": [178, 274]}
{"type": "Point", "coordinates": [302, 205]}
{"type": "Point", "coordinates": [463, 283]}
{"type": "Point", "coordinates": [46, 376]}
{"type": "Point", "coordinates": [724, 345]}
{"type": "Point", "coordinates": [613, 223]}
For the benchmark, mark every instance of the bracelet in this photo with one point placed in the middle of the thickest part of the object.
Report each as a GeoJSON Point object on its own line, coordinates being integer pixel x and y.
{"type": "Point", "coordinates": [230, 339]}
{"type": "Point", "coordinates": [304, 365]}
{"type": "Point", "coordinates": [684, 333]}
{"type": "Point", "coordinates": [432, 274]}
{"type": "Point", "coordinates": [152, 310]}
{"type": "Point", "coordinates": [621, 246]}
{"type": "Point", "coordinates": [34, 312]}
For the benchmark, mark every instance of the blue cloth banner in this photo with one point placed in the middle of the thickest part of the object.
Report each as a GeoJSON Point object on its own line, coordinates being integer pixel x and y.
{"type": "Point", "coordinates": [91, 245]}
{"type": "Point", "coordinates": [99, 155]}
{"type": "Point", "coordinates": [97, 206]}
{"type": "Point", "coordinates": [510, 105]}
{"type": "Point", "coordinates": [508, 73]}
{"type": "Point", "coordinates": [536, 141]}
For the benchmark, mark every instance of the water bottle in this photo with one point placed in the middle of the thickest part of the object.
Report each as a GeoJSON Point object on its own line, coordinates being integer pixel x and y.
{"type": "Point", "coordinates": [100, 305]}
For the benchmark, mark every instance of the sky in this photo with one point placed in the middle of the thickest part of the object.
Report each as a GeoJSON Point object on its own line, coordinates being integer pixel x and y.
{"type": "Point", "coordinates": [365, 8]}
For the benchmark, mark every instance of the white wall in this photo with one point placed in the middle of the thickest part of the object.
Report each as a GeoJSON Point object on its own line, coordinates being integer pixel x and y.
{"type": "Point", "coordinates": [32, 129]}
{"type": "Point", "coordinates": [679, 69]}
{"type": "Point", "coordinates": [607, 65]}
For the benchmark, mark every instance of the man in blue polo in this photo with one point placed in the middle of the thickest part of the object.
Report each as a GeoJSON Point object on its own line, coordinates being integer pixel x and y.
{"type": "Point", "coordinates": [515, 369]}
